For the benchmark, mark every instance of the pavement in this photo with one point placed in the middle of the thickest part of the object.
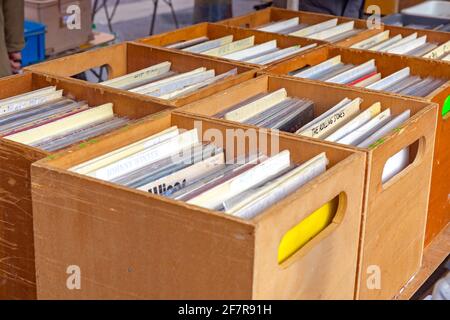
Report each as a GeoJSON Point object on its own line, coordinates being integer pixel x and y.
{"type": "Point", "coordinates": [132, 18]}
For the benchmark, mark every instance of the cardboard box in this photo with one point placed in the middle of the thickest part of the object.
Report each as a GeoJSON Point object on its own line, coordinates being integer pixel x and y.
{"type": "Point", "coordinates": [395, 212]}
{"type": "Point", "coordinates": [17, 273]}
{"type": "Point", "coordinates": [439, 210]}
{"type": "Point", "coordinates": [126, 58]}
{"type": "Point", "coordinates": [257, 19]}
{"type": "Point", "coordinates": [215, 31]}
{"type": "Point", "coordinates": [55, 14]}
{"type": "Point", "coordinates": [131, 244]}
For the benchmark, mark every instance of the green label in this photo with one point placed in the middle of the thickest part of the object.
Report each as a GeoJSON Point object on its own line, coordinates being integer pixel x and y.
{"type": "Point", "coordinates": [377, 143]}
{"type": "Point", "coordinates": [446, 108]}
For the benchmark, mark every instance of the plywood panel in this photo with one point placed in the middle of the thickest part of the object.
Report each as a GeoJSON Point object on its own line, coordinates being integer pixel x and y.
{"type": "Point", "coordinates": [210, 255]}
{"type": "Point", "coordinates": [126, 58]}
{"type": "Point", "coordinates": [17, 267]}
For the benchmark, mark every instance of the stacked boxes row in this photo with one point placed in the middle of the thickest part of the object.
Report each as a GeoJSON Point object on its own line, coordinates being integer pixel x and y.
{"type": "Point", "coordinates": [132, 244]}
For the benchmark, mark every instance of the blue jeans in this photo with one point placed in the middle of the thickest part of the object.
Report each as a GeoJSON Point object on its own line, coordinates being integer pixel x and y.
{"type": "Point", "coordinates": [212, 10]}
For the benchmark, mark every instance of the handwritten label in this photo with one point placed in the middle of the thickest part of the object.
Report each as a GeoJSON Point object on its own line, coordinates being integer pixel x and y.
{"type": "Point", "coordinates": [231, 47]}
{"type": "Point", "coordinates": [20, 105]}
{"type": "Point", "coordinates": [328, 122]}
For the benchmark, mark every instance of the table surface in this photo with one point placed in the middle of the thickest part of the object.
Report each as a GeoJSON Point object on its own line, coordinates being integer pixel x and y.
{"type": "Point", "coordinates": [433, 256]}
{"type": "Point", "coordinates": [100, 39]}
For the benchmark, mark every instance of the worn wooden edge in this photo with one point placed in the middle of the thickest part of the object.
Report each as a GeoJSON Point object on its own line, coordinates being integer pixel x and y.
{"type": "Point", "coordinates": [274, 70]}
{"type": "Point", "coordinates": [15, 163]}
{"type": "Point", "coordinates": [434, 254]}
{"type": "Point", "coordinates": [206, 27]}
{"type": "Point", "coordinates": [395, 54]}
{"type": "Point", "coordinates": [47, 162]}
{"type": "Point", "coordinates": [245, 71]}
{"type": "Point", "coordinates": [278, 14]}
{"type": "Point", "coordinates": [427, 107]}
{"type": "Point", "coordinates": [287, 13]}
{"type": "Point", "coordinates": [273, 12]}
{"type": "Point", "coordinates": [252, 66]}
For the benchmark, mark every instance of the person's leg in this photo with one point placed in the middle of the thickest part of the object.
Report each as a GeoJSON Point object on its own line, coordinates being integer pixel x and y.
{"type": "Point", "coordinates": [280, 3]}
{"type": "Point", "coordinates": [354, 9]}
{"type": "Point", "coordinates": [201, 11]}
{"type": "Point", "coordinates": [5, 67]}
{"type": "Point", "coordinates": [347, 8]}
{"type": "Point", "coordinates": [222, 9]}
{"type": "Point", "coordinates": [335, 7]}
{"type": "Point", "coordinates": [212, 10]}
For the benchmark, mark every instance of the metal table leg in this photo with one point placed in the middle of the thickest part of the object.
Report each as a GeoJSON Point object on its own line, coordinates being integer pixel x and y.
{"type": "Point", "coordinates": [155, 10]}
{"type": "Point", "coordinates": [152, 23]}
{"type": "Point", "coordinates": [172, 10]}
{"type": "Point", "coordinates": [109, 15]}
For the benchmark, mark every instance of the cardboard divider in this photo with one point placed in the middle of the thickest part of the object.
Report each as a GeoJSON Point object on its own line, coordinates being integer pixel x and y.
{"type": "Point", "coordinates": [212, 255]}
{"type": "Point", "coordinates": [387, 64]}
{"type": "Point", "coordinates": [437, 37]}
{"type": "Point", "coordinates": [257, 19]}
{"type": "Point", "coordinates": [126, 58]}
{"type": "Point", "coordinates": [17, 270]}
{"type": "Point", "coordinates": [54, 14]}
{"type": "Point", "coordinates": [406, 195]}
{"type": "Point", "coordinates": [215, 31]}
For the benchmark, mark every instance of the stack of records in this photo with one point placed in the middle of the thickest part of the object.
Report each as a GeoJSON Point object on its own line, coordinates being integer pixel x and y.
{"type": "Point", "coordinates": [161, 82]}
{"type": "Point", "coordinates": [444, 27]}
{"type": "Point", "coordinates": [411, 45]}
{"type": "Point", "coordinates": [343, 123]}
{"type": "Point", "coordinates": [346, 123]}
{"type": "Point", "coordinates": [243, 50]}
{"type": "Point", "coordinates": [177, 165]}
{"type": "Point", "coordinates": [367, 76]}
{"type": "Point", "coordinates": [46, 120]}
{"type": "Point", "coordinates": [329, 30]}
{"type": "Point", "coordinates": [271, 110]}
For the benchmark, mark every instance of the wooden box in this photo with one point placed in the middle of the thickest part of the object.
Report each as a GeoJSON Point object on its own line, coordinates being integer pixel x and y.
{"type": "Point", "coordinates": [256, 19]}
{"type": "Point", "coordinates": [130, 244]}
{"type": "Point", "coordinates": [127, 57]}
{"type": "Point", "coordinates": [394, 212]}
{"type": "Point", "coordinates": [387, 64]}
{"type": "Point", "coordinates": [17, 273]}
{"type": "Point", "coordinates": [439, 210]}
{"type": "Point", "coordinates": [432, 36]}
{"type": "Point", "coordinates": [215, 31]}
